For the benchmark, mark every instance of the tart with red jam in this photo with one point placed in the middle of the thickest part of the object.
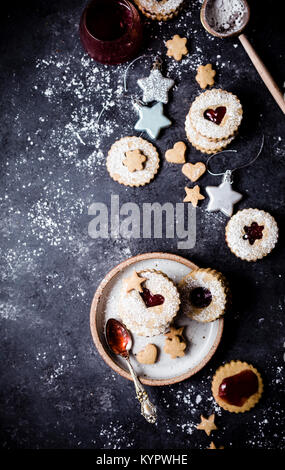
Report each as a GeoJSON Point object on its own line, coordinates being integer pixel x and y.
{"type": "Point", "coordinates": [251, 234]}
{"type": "Point", "coordinates": [237, 386]}
{"type": "Point", "coordinates": [205, 295]}
{"type": "Point", "coordinates": [148, 302]}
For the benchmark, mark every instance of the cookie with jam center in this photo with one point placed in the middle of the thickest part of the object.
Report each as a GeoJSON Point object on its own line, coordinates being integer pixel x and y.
{"type": "Point", "coordinates": [149, 312]}
{"type": "Point", "coordinates": [237, 386]}
{"type": "Point", "coordinates": [205, 295]}
{"type": "Point", "coordinates": [216, 114]}
{"type": "Point", "coordinates": [251, 234]}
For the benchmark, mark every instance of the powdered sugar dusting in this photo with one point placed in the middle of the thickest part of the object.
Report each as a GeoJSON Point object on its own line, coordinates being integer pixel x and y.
{"type": "Point", "coordinates": [117, 155]}
{"type": "Point", "coordinates": [212, 99]}
{"type": "Point", "coordinates": [150, 321]}
{"type": "Point", "coordinates": [207, 280]}
{"type": "Point", "coordinates": [235, 232]}
{"type": "Point", "coordinates": [225, 16]}
{"type": "Point", "coordinates": [163, 7]}
{"type": "Point", "coordinates": [202, 143]}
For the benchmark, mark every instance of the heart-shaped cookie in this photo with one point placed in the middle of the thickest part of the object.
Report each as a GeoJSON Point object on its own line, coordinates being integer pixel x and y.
{"type": "Point", "coordinates": [147, 355]}
{"type": "Point", "coordinates": [193, 171]}
{"type": "Point", "coordinates": [177, 153]}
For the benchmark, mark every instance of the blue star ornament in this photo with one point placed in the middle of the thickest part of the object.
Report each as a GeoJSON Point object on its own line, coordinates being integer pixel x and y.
{"type": "Point", "coordinates": [151, 119]}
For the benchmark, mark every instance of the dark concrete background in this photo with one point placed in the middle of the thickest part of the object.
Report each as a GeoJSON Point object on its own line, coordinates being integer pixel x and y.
{"type": "Point", "coordinates": [55, 389]}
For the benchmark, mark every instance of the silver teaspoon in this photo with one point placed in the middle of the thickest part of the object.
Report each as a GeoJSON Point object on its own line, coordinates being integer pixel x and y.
{"type": "Point", "coordinates": [120, 342]}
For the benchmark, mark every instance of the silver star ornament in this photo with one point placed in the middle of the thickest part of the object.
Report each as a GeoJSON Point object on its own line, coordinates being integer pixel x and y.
{"type": "Point", "coordinates": [155, 87]}
{"type": "Point", "coordinates": [151, 119]}
{"type": "Point", "coordinates": [223, 198]}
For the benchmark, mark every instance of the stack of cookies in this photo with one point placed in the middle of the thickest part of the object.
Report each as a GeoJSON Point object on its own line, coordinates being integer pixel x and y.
{"type": "Point", "coordinates": [213, 120]}
{"type": "Point", "coordinates": [162, 10]}
{"type": "Point", "coordinates": [148, 302]}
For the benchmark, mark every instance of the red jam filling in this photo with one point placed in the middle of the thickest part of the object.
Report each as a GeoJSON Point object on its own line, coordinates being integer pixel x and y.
{"type": "Point", "coordinates": [253, 232]}
{"type": "Point", "coordinates": [200, 297]}
{"type": "Point", "coordinates": [215, 115]}
{"type": "Point", "coordinates": [150, 299]}
{"type": "Point", "coordinates": [235, 390]}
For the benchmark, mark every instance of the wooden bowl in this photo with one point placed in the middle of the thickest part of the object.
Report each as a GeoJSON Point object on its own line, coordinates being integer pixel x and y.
{"type": "Point", "coordinates": [208, 334]}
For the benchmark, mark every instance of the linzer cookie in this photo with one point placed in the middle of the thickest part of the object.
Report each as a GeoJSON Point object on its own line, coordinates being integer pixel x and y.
{"type": "Point", "coordinates": [251, 234]}
{"type": "Point", "coordinates": [216, 114]}
{"type": "Point", "coordinates": [202, 143]}
{"type": "Point", "coordinates": [205, 295]}
{"type": "Point", "coordinates": [132, 161]}
{"type": "Point", "coordinates": [161, 10]}
{"type": "Point", "coordinates": [237, 386]}
{"type": "Point", "coordinates": [148, 312]}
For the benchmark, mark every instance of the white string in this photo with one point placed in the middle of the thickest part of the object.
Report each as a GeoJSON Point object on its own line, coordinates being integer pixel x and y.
{"type": "Point", "coordinates": [128, 67]}
{"type": "Point", "coordinates": [238, 167]}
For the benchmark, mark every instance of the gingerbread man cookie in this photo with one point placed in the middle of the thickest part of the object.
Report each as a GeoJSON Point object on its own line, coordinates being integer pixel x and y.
{"type": "Point", "coordinates": [205, 75]}
{"type": "Point", "coordinates": [134, 160]}
{"type": "Point", "coordinates": [176, 154]}
{"type": "Point", "coordinates": [176, 47]}
{"type": "Point", "coordinates": [175, 344]}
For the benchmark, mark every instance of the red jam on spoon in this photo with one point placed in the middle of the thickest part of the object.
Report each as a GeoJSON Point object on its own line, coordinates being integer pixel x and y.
{"type": "Point", "coordinates": [118, 337]}
{"type": "Point", "coordinates": [150, 299]}
{"type": "Point", "coordinates": [215, 115]}
{"type": "Point", "coordinates": [236, 389]}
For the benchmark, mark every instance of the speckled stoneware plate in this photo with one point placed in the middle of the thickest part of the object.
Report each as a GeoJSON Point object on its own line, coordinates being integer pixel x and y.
{"type": "Point", "coordinates": [202, 338]}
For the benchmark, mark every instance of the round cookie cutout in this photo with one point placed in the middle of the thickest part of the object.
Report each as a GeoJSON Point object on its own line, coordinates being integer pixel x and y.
{"type": "Point", "coordinates": [204, 295]}
{"type": "Point", "coordinates": [211, 100]}
{"type": "Point", "coordinates": [251, 234]}
{"type": "Point", "coordinates": [159, 10]}
{"type": "Point", "coordinates": [229, 370]}
{"type": "Point", "coordinates": [202, 143]}
{"type": "Point", "coordinates": [149, 321]}
{"type": "Point", "coordinates": [120, 172]}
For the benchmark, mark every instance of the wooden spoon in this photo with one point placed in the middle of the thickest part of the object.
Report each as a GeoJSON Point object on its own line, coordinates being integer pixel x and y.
{"type": "Point", "coordinates": [231, 29]}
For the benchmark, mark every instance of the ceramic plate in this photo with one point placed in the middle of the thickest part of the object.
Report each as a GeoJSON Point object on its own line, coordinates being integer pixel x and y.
{"type": "Point", "coordinates": [202, 338]}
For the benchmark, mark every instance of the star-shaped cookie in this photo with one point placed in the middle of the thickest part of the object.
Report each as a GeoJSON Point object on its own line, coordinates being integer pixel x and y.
{"type": "Point", "coordinates": [212, 446]}
{"type": "Point", "coordinates": [176, 47]}
{"type": "Point", "coordinates": [222, 198]}
{"type": "Point", "coordinates": [155, 87]}
{"type": "Point", "coordinates": [134, 160]}
{"type": "Point", "coordinates": [205, 75]}
{"type": "Point", "coordinates": [207, 425]}
{"type": "Point", "coordinates": [193, 195]}
{"type": "Point", "coordinates": [152, 119]}
{"type": "Point", "coordinates": [134, 282]}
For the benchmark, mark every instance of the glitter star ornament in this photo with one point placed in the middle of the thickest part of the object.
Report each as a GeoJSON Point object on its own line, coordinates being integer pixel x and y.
{"type": "Point", "coordinates": [151, 119]}
{"type": "Point", "coordinates": [155, 87]}
{"type": "Point", "coordinates": [223, 197]}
